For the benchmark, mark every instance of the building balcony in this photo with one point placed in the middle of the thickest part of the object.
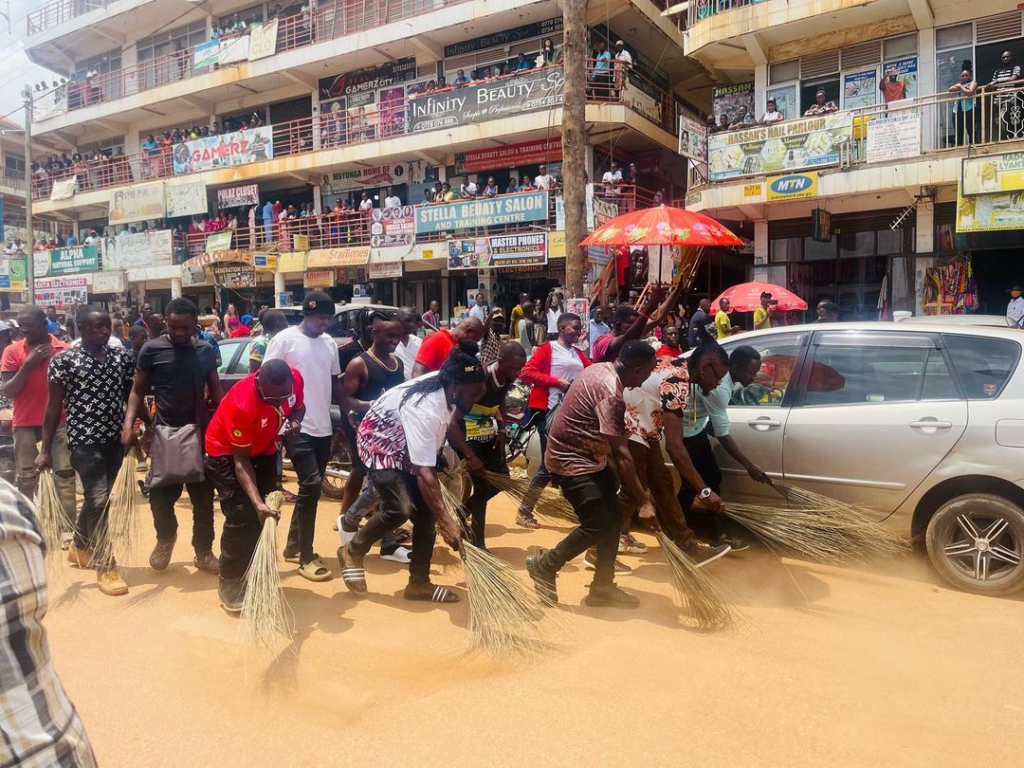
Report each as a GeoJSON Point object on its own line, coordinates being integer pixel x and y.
{"type": "Point", "coordinates": [870, 157]}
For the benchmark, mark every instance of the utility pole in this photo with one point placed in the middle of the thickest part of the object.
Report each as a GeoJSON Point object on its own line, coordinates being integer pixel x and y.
{"type": "Point", "coordinates": [574, 140]}
{"type": "Point", "coordinates": [30, 271]}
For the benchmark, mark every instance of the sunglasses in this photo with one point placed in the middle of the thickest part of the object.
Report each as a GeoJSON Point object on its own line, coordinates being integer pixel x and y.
{"type": "Point", "coordinates": [270, 400]}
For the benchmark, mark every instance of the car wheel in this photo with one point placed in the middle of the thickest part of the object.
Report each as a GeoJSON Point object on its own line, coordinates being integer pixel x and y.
{"type": "Point", "coordinates": [976, 543]}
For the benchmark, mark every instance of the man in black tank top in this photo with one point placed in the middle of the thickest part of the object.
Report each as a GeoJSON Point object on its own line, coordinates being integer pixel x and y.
{"type": "Point", "coordinates": [484, 446]}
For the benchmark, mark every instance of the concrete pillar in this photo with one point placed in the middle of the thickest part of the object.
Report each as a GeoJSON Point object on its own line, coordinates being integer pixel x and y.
{"type": "Point", "coordinates": [926, 84]}
{"type": "Point", "coordinates": [175, 287]}
{"type": "Point", "coordinates": [924, 229]}
{"type": "Point", "coordinates": [446, 305]}
{"type": "Point", "coordinates": [760, 86]}
{"type": "Point", "coordinates": [278, 288]}
{"type": "Point", "coordinates": [761, 241]}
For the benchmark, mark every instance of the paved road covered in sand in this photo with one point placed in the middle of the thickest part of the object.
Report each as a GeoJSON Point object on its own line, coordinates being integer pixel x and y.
{"type": "Point", "coordinates": [834, 666]}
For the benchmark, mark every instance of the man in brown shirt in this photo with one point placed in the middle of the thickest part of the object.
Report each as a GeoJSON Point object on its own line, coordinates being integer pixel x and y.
{"type": "Point", "coordinates": [588, 427]}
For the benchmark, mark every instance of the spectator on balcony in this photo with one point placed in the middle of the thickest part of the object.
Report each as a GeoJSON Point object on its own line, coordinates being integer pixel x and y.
{"type": "Point", "coordinates": [268, 222]}
{"type": "Point", "coordinates": [549, 54]}
{"type": "Point", "coordinates": [631, 175]}
{"type": "Point", "coordinates": [612, 180]}
{"type": "Point", "coordinates": [365, 204]}
{"type": "Point", "coordinates": [723, 122]}
{"type": "Point", "coordinates": [772, 114]}
{"type": "Point", "coordinates": [491, 188]}
{"type": "Point", "coordinates": [623, 63]}
{"type": "Point", "coordinates": [822, 105]}
{"type": "Point", "coordinates": [659, 197]}
{"type": "Point", "coordinates": [963, 107]}
{"type": "Point", "coordinates": [460, 78]}
{"type": "Point", "coordinates": [447, 196]}
{"type": "Point", "coordinates": [468, 189]}
{"type": "Point", "coordinates": [72, 240]}
{"type": "Point", "coordinates": [601, 74]}
{"type": "Point", "coordinates": [892, 88]}
{"type": "Point", "coordinates": [522, 63]}
{"type": "Point", "coordinates": [526, 185]}
{"type": "Point", "coordinates": [513, 186]}
{"type": "Point", "coordinates": [391, 200]}
{"type": "Point", "coordinates": [1007, 91]}
{"type": "Point", "coordinates": [543, 182]}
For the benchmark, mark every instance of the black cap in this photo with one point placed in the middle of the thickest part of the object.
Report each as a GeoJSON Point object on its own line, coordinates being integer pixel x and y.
{"type": "Point", "coordinates": [318, 303]}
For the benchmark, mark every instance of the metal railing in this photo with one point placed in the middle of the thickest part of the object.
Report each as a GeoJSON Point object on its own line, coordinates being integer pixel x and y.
{"type": "Point", "coordinates": [56, 12]}
{"type": "Point", "coordinates": [699, 10]}
{"type": "Point", "coordinates": [325, 131]}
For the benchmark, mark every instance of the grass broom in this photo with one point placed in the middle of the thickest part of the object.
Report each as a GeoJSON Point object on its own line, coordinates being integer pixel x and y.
{"type": "Point", "coordinates": [120, 539]}
{"type": "Point", "coordinates": [265, 612]}
{"type": "Point", "coordinates": [505, 613]}
{"type": "Point", "coordinates": [550, 502]}
{"type": "Point", "coordinates": [696, 591]}
{"type": "Point", "coordinates": [54, 522]}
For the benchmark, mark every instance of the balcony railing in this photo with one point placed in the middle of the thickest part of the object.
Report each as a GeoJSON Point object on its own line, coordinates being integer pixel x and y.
{"type": "Point", "coordinates": [56, 12]}
{"type": "Point", "coordinates": [357, 125]}
{"type": "Point", "coordinates": [699, 10]}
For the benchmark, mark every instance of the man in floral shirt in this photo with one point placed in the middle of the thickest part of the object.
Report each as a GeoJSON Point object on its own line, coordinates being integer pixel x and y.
{"type": "Point", "coordinates": [655, 408]}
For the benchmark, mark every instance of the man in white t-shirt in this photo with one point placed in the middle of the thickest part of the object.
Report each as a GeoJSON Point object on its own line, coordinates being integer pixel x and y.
{"type": "Point", "coordinates": [543, 180]}
{"type": "Point", "coordinates": [554, 308]}
{"type": "Point", "coordinates": [409, 346]}
{"type": "Point", "coordinates": [391, 200]}
{"type": "Point", "coordinates": [307, 348]}
{"type": "Point", "coordinates": [479, 310]}
{"type": "Point", "coordinates": [468, 189]}
{"type": "Point", "coordinates": [612, 179]}
{"type": "Point", "coordinates": [365, 203]}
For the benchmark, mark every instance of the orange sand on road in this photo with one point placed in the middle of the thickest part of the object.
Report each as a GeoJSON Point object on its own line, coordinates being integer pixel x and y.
{"type": "Point", "coordinates": [833, 666]}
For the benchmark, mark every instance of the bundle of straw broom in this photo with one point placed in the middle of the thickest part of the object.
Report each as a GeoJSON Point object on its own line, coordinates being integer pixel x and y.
{"type": "Point", "coordinates": [695, 590]}
{"type": "Point", "coordinates": [550, 503]}
{"type": "Point", "coordinates": [818, 527]}
{"type": "Point", "coordinates": [265, 612]}
{"type": "Point", "coordinates": [121, 538]}
{"type": "Point", "coordinates": [53, 520]}
{"type": "Point", "coordinates": [504, 612]}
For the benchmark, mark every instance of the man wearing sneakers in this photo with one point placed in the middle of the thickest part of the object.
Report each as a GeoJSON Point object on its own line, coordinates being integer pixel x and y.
{"type": "Point", "coordinates": [590, 425]}
{"type": "Point", "coordinates": [181, 372]}
{"type": "Point", "coordinates": [307, 348]}
{"type": "Point", "coordinates": [657, 408]}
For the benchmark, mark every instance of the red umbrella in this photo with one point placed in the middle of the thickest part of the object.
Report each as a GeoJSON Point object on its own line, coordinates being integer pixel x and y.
{"type": "Point", "coordinates": [662, 225]}
{"type": "Point", "coordinates": [746, 297]}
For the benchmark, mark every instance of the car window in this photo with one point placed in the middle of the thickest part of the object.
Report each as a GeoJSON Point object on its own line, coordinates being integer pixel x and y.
{"type": "Point", "coordinates": [241, 365]}
{"type": "Point", "coordinates": [847, 375]}
{"type": "Point", "coordinates": [983, 365]}
{"type": "Point", "coordinates": [228, 347]}
{"type": "Point", "coordinates": [779, 357]}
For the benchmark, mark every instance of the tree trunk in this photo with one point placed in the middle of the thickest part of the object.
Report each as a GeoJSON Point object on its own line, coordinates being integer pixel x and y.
{"type": "Point", "coordinates": [574, 142]}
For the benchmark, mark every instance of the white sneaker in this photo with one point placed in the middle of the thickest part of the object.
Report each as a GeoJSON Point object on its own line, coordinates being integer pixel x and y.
{"type": "Point", "coordinates": [399, 555]}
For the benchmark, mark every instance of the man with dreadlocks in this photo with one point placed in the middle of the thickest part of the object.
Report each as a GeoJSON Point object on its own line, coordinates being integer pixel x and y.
{"type": "Point", "coordinates": [398, 441]}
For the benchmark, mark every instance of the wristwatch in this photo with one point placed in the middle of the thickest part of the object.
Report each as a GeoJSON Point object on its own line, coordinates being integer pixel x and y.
{"type": "Point", "coordinates": [705, 493]}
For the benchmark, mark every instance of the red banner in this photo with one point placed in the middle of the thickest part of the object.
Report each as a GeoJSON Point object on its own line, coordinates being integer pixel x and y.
{"type": "Point", "coordinates": [509, 156]}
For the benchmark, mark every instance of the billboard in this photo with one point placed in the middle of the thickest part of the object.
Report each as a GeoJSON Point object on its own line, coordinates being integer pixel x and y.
{"type": "Point", "coordinates": [226, 149]}
{"type": "Point", "coordinates": [520, 208]}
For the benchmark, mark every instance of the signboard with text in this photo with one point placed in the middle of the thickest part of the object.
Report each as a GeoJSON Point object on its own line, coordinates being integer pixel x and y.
{"type": "Point", "coordinates": [390, 227]}
{"type": "Point", "coordinates": [66, 261]}
{"type": "Point", "coordinates": [185, 198]}
{"type": "Point", "coordinates": [219, 241]}
{"type": "Point", "coordinates": [338, 257]}
{"type": "Point", "coordinates": [894, 136]}
{"type": "Point", "coordinates": [224, 150]}
{"type": "Point", "coordinates": [144, 249]}
{"type": "Point", "coordinates": [140, 203]}
{"type": "Point", "coordinates": [263, 41]}
{"type": "Point", "coordinates": [238, 197]}
{"type": "Point", "coordinates": [509, 156]}
{"type": "Point", "coordinates": [498, 251]}
{"type": "Point", "coordinates": [994, 212]}
{"type": "Point", "coordinates": [993, 173]}
{"type": "Point", "coordinates": [62, 292]}
{"type": "Point", "coordinates": [505, 38]}
{"type": "Point", "coordinates": [520, 208]}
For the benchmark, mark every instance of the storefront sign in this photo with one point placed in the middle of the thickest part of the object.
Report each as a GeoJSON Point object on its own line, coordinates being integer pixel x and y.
{"type": "Point", "coordinates": [368, 79]}
{"type": "Point", "coordinates": [62, 292]}
{"type": "Point", "coordinates": [109, 282]}
{"type": "Point", "coordinates": [733, 101]}
{"type": "Point", "coordinates": [300, 242]}
{"type": "Point", "coordinates": [792, 186]}
{"type": "Point", "coordinates": [227, 149]}
{"type": "Point", "coordinates": [140, 203]}
{"type": "Point", "coordinates": [556, 245]}
{"type": "Point", "coordinates": [507, 209]}
{"type": "Point", "coordinates": [238, 197]}
{"type": "Point", "coordinates": [490, 100]}
{"type": "Point", "coordinates": [509, 156]}
{"type": "Point", "coordinates": [385, 270]}
{"type": "Point", "coordinates": [810, 142]}
{"type": "Point", "coordinates": [993, 212]}
{"type": "Point", "coordinates": [497, 252]}
{"type": "Point", "coordinates": [372, 176]}
{"type": "Point", "coordinates": [67, 261]}
{"type": "Point", "coordinates": [64, 189]}
{"type": "Point", "coordinates": [233, 49]}
{"type": "Point", "coordinates": [338, 257]}
{"type": "Point", "coordinates": [993, 173]}
{"type": "Point", "coordinates": [508, 37]}
{"type": "Point", "coordinates": [234, 275]}
{"type": "Point", "coordinates": [205, 54]}
{"type": "Point", "coordinates": [13, 274]}
{"type": "Point", "coordinates": [753, 190]}
{"type": "Point", "coordinates": [293, 261]}
{"type": "Point", "coordinates": [693, 138]}
{"type": "Point", "coordinates": [894, 136]}
{"type": "Point", "coordinates": [391, 227]}
{"type": "Point", "coordinates": [319, 278]}
{"type": "Point", "coordinates": [219, 241]}
{"type": "Point", "coordinates": [193, 275]}
{"type": "Point", "coordinates": [144, 249]}
{"type": "Point", "coordinates": [821, 225]}
{"type": "Point", "coordinates": [265, 262]}
{"type": "Point", "coordinates": [186, 198]}
{"type": "Point", "coordinates": [263, 41]}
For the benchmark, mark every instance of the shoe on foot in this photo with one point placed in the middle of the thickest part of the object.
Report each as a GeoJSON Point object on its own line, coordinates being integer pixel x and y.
{"type": "Point", "coordinates": [590, 563]}
{"type": "Point", "coordinates": [702, 553]}
{"type": "Point", "coordinates": [396, 554]}
{"type": "Point", "coordinates": [231, 593]}
{"type": "Point", "coordinates": [610, 596]}
{"type": "Point", "coordinates": [290, 555]}
{"type": "Point", "coordinates": [543, 580]}
{"type": "Point", "coordinates": [111, 583]}
{"type": "Point", "coordinates": [315, 570]}
{"type": "Point", "coordinates": [143, 488]}
{"type": "Point", "coordinates": [628, 545]}
{"type": "Point", "coordinates": [735, 543]}
{"type": "Point", "coordinates": [430, 593]}
{"type": "Point", "coordinates": [81, 558]}
{"type": "Point", "coordinates": [290, 497]}
{"type": "Point", "coordinates": [161, 556]}
{"type": "Point", "coordinates": [208, 562]}
{"type": "Point", "coordinates": [352, 572]}
{"type": "Point", "coordinates": [526, 519]}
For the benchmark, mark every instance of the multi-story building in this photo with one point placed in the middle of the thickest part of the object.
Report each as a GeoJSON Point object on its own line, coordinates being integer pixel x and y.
{"type": "Point", "coordinates": [322, 107]}
{"type": "Point", "coordinates": [853, 195]}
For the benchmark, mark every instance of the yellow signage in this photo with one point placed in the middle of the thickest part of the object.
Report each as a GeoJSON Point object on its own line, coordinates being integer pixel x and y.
{"type": "Point", "coordinates": [338, 257]}
{"type": "Point", "coordinates": [995, 173]}
{"type": "Point", "coordinates": [793, 186]}
{"type": "Point", "coordinates": [751, 190]}
{"type": "Point", "coordinates": [556, 245]}
{"type": "Point", "coordinates": [293, 261]}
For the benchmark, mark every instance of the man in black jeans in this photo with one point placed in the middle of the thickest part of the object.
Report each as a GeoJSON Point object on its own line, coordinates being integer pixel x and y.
{"type": "Point", "coordinates": [91, 382]}
{"type": "Point", "coordinates": [590, 425]}
{"type": "Point", "coordinates": [307, 348]}
{"type": "Point", "coordinates": [181, 372]}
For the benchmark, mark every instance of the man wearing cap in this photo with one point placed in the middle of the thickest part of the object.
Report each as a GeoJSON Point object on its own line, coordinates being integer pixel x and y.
{"type": "Point", "coordinates": [307, 348]}
{"type": "Point", "coordinates": [763, 314]}
{"type": "Point", "coordinates": [821, 105]}
{"type": "Point", "coordinates": [623, 62]}
{"type": "Point", "coordinates": [1015, 309]}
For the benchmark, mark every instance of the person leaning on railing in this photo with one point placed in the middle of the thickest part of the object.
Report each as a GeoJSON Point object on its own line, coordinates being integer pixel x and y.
{"type": "Point", "coordinates": [963, 106]}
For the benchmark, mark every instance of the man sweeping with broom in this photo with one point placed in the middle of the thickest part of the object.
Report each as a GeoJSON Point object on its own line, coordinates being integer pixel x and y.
{"type": "Point", "coordinates": [91, 383]}
{"type": "Point", "coordinates": [241, 461]}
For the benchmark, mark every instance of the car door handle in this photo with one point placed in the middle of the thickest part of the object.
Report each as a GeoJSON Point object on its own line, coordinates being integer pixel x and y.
{"type": "Point", "coordinates": [763, 423]}
{"type": "Point", "coordinates": [928, 423]}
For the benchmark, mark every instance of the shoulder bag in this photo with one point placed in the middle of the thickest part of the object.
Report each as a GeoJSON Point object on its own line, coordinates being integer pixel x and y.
{"type": "Point", "coordinates": [176, 454]}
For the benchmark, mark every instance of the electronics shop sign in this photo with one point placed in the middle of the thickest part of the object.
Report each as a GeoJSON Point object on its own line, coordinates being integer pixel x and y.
{"type": "Point", "coordinates": [507, 209]}
{"type": "Point", "coordinates": [528, 92]}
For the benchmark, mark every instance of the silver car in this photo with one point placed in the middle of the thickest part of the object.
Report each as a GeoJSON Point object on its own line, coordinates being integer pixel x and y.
{"type": "Point", "coordinates": [922, 422]}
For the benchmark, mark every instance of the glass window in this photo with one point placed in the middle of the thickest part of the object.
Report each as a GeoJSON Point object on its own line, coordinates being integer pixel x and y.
{"type": "Point", "coordinates": [227, 353]}
{"type": "Point", "coordinates": [899, 46]}
{"type": "Point", "coordinates": [865, 374]}
{"type": "Point", "coordinates": [242, 364]}
{"type": "Point", "coordinates": [954, 37]}
{"type": "Point", "coordinates": [783, 71]}
{"type": "Point", "coordinates": [816, 251]}
{"type": "Point", "coordinates": [856, 244]}
{"type": "Point", "coordinates": [779, 357]}
{"type": "Point", "coordinates": [938, 381]}
{"type": "Point", "coordinates": [890, 241]}
{"type": "Point", "coordinates": [983, 365]}
{"type": "Point", "coordinates": [786, 249]}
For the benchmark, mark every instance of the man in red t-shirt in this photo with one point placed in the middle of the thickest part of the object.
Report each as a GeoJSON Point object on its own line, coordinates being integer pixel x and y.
{"type": "Point", "coordinates": [241, 461]}
{"type": "Point", "coordinates": [23, 376]}
{"type": "Point", "coordinates": [435, 348]}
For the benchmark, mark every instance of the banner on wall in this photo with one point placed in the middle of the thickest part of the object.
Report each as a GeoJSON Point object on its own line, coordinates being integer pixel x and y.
{"type": "Point", "coordinates": [368, 79]}
{"type": "Point", "coordinates": [185, 198]}
{"type": "Point", "coordinates": [499, 251]}
{"type": "Point", "coordinates": [227, 149]}
{"type": "Point", "coordinates": [238, 197]}
{"type": "Point", "coordinates": [64, 189]}
{"type": "Point", "coordinates": [992, 212]}
{"type": "Point", "coordinates": [508, 37]}
{"type": "Point", "coordinates": [905, 70]}
{"type": "Point", "coordinates": [993, 173]}
{"type": "Point", "coordinates": [205, 55]}
{"type": "Point", "coordinates": [263, 41]}
{"type": "Point", "coordinates": [509, 156]}
{"type": "Point", "coordinates": [488, 100]}
{"type": "Point", "coordinates": [733, 101]}
{"type": "Point", "coordinates": [894, 136]}
{"type": "Point", "coordinates": [219, 241]}
{"type": "Point", "coordinates": [507, 209]}
{"type": "Point", "coordinates": [144, 249]}
{"type": "Point", "coordinates": [140, 203]}
{"type": "Point", "coordinates": [233, 49]}
{"type": "Point", "coordinates": [860, 89]}
{"type": "Point", "coordinates": [371, 176]}
{"type": "Point", "coordinates": [234, 275]}
{"type": "Point", "coordinates": [13, 273]}
{"type": "Point", "coordinates": [810, 142]}
{"type": "Point", "coordinates": [693, 138]}
{"type": "Point", "coordinates": [319, 278]}
{"type": "Point", "coordinates": [391, 227]}
{"type": "Point", "coordinates": [62, 292]}
{"type": "Point", "coordinates": [386, 270]}
{"type": "Point", "coordinates": [67, 261]}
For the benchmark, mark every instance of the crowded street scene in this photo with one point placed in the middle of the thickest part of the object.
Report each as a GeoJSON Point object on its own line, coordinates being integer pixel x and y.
{"type": "Point", "coordinates": [449, 377]}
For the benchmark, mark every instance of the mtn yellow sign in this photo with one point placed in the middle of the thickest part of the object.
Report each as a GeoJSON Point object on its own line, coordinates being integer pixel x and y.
{"type": "Point", "coordinates": [792, 186]}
